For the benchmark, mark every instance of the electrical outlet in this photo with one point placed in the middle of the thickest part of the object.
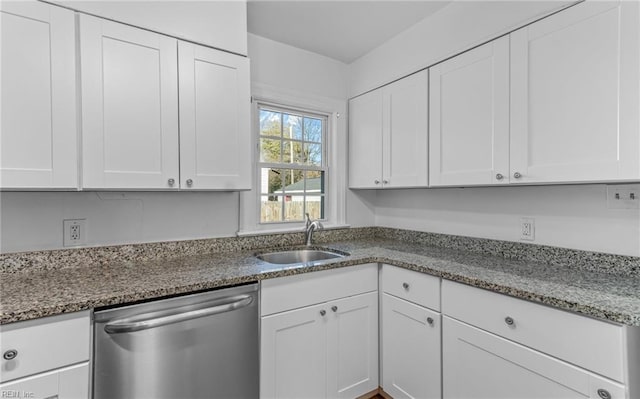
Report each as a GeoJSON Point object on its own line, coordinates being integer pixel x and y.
{"type": "Point", "coordinates": [74, 232]}
{"type": "Point", "coordinates": [527, 229]}
{"type": "Point", "coordinates": [623, 196]}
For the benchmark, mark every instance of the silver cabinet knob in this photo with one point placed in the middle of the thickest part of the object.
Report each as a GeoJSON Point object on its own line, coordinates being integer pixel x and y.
{"type": "Point", "coordinates": [430, 321]}
{"type": "Point", "coordinates": [189, 182]}
{"type": "Point", "coordinates": [499, 176]}
{"type": "Point", "coordinates": [517, 175]}
{"type": "Point", "coordinates": [334, 308]}
{"type": "Point", "coordinates": [385, 182]}
{"type": "Point", "coordinates": [171, 182]}
{"type": "Point", "coordinates": [10, 354]}
{"type": "Point", "coordinates": [509, 321]}
{"type": "Point", "coordinates": [405, 286]}
{"type": "Point", "coordinates": [604, 394]}
{"type": "Point", "coordinates": [376, 181]}
{"type": "Point", "coordinates": [323, 312]}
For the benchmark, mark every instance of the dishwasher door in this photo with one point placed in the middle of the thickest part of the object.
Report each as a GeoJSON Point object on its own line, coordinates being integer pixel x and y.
{"type": "Point", "coordinates": [196, 346]}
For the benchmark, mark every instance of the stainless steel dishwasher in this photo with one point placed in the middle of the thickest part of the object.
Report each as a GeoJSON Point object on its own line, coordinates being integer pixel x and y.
{"type": "Point", "coordinates": [196, 346]}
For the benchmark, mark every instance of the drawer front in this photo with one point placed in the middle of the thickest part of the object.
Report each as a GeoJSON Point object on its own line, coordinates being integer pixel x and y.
{"type": "Point", "coordinates": [595, 345]}
{"type": "Point", "coordinates": [293, 292]}
{"type": "Point", "coordinates": [44, 344]}
{"type": "Point", "coordinates": [416, 287]}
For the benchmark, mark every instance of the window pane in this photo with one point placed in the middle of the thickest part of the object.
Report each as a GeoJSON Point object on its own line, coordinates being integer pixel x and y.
{"type": "Point", "coordinates": [313, 154]}
{"type": "Point", "coordinates": [293, 208]}
{"type": "Point", "coordinates": [292, 126]}
{"type": "Point", "coordinates": [313, 130]}
{"type": "Point", "coordinates": [271, 181]}
{"type": "Point", "coordinates": [315, 182]}
{"type": "Point", "coordinates": [271, 208]}
{"type": "Point", "coordinates": [315, 206]}
{"type": "Point", "coordinates": [270, 123]}
{"type": "Point", "coordinates": [270, 150]}
{"type": "Point", "coordinates": [293, 152]}
{"type": "Point", "coordinates": [293, 182]}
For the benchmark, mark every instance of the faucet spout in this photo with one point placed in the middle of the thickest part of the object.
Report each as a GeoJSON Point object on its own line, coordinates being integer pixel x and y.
{"type": "Point", "coordinates": [309, 228]}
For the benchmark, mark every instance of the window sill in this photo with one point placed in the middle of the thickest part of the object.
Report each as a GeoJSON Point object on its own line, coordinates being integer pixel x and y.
{"type": "Point", "coordinates": [288, 229]}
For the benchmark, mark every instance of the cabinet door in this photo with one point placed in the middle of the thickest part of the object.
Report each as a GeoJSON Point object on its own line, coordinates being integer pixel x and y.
{"type": "Point", "coordinates": [215, 136]}
{"type": "Point", "coordinates": [469, 117]}
{"type": "Point", "coordinates": [365, 140]}
{"type": "Point", "coordinates": [38, 143]}
{"type": "Point", "coordinates": [410, 350]}
{"type": "Point", "coordinates": [574, 95]}
{"type": "Point", "coordinates": [293, 361]}
{"type": "Point", "coordinates": [405, 132]}
{"type": "Point", "coordinates": [129, 107]}
{"type": "Point", "coordinates": [352, 346]}
{"type": "Point", "coordinates": [68, 383]}
{"type": "Point", "coordinates": [481, 365]}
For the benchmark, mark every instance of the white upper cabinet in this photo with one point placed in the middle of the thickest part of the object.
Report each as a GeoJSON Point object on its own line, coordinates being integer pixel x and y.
{"type": "Point", "coordinates": [215, 148]}
{"type": "Point", "coordinates": [469, 117]}
{"type": "Point", "coordinates": [574, 95]}
{"type": "Point", "coordinates": [388, 135]}
{"type": "Point", "coordinates": [129, 107]}
{"type": "Point", "coordinates": [38, 136]}
{"type": "Point", "coordinates": [365, 140]}
{"type": "Point", "coordinates": [405, 132]}
{"type": "Point", "coordinates": [141, 133]}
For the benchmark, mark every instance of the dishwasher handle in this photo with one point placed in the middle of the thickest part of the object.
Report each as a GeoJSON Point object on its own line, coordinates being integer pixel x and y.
{"type": "Point", "coordinates": [139, 323]}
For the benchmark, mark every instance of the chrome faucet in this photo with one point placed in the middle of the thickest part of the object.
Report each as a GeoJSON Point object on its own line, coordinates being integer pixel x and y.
{"type": "Point", "coordinates": [309, 228]}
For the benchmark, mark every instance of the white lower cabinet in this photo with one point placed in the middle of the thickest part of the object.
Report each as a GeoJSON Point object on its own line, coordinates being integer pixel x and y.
{"type": "Point", "coordinates": [68, 383]}
{"type": "Point", "coordinates": [410, 345]}
{"type": "Point", "coordinates": [327, 349]}
{"type": "Point", "coordinates": [294, 354]}
{"type": "Point", "coordinates": [46, 358]}
{"type": "Point", "coordinates": [478, 364]}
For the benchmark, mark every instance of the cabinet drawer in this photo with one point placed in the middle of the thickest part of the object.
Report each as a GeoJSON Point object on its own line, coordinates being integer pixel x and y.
{"type": "Point", "coordinates": [415, 287]}
{"type": "Point", "coordinates": [286, 293]}
{"type": "Point", "coordinates": [595, 345]}
{"type": "Point", "coordinates": [45, 344]}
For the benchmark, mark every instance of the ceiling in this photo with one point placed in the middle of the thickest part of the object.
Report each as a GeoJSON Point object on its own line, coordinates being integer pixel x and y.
{"type": "Point", "coordinates": [342, 30]}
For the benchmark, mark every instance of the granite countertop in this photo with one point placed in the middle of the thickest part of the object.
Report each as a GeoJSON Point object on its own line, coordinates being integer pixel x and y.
{"type": "Point", "coordinates": [39, 293]}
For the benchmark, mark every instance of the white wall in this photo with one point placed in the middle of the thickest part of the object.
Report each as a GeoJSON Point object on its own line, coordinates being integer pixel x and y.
{"type": "Point", "coordinates": [457, 27]}
{"type": "Point", "coordinates": [33, 221]}
{"type": "Point", "coordinates": [565, 216]}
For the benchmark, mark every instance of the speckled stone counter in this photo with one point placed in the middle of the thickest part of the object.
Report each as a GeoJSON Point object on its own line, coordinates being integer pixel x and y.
{"type": "Point", "coordinates": [589, 290]}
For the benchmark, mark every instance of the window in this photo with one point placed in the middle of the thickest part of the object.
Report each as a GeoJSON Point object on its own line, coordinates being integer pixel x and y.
{"type": "Point", "coordinates": [292, 164]}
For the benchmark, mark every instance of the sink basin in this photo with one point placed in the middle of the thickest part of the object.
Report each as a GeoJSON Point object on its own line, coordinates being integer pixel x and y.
{"type": "Point", "coordinates": [299, 256]}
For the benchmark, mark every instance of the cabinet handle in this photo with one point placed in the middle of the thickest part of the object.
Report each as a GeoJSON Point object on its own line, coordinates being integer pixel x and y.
{"type": "Point", "coordinates": [171, 182]}
{"type": "Point", "coordinates": [385, 182]}
{"type": "Point", "coordinates": [10, 354]}
{"type": "Point", "coordinates": [376, 181]}
{"type": "Point", "coordinates": [509, 321]}
{"type": "Point", "coordinates": [334, 308]}
{"type": "Point", "coordinates": [430, 321]}
{"type": "Point", "coordinates": [517, 175]}
{"type": "Point", "coordinates": [405, 286]}
{"type": "Point", "coordinates": [499, 176]}
{"type": "Point", "coordinates": [604, 394]}
{"type": "Point", "coordinates": [323, 312]}
{"type": "Point", "coordinates": [189, 182]}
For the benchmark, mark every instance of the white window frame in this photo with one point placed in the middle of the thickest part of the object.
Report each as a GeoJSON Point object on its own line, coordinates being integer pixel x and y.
{"type": "Point", "coordinates": [335, 154]}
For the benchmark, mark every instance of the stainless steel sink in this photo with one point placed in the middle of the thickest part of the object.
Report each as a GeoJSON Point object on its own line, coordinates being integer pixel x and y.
{"type": "Point", "coordinates": [299, 256]}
